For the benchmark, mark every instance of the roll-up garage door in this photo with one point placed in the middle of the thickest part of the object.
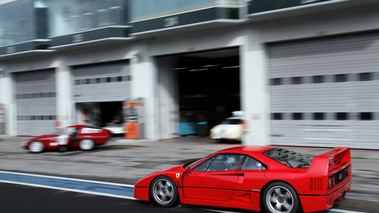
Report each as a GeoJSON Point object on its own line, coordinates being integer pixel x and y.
{"type": "Point", "coordinates": [36, 102]}
{"type": "Point", "coordinates": [324, 92]}
{"type": "Point", "coordinates": [102, 82]}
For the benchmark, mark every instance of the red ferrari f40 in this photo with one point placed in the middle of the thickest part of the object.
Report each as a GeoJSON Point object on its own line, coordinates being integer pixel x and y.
{"type": "Point", "coordinates": [271, 179]}
{"type": "Point", "coordinates": [77, 136]}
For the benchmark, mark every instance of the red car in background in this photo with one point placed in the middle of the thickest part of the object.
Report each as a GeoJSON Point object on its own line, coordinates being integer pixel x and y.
{"type": "Point", "coordinates": [81, 136]}
{"type": "Point", "coordinates": [270, 179]}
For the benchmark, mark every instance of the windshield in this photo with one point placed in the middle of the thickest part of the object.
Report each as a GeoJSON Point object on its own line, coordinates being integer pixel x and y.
{"type": "Point", "coordinates": [59, 131]}
{"type": "Point", "coordinates": [232, 121]}
{"type": "Point", "coordinates": [65, 131]}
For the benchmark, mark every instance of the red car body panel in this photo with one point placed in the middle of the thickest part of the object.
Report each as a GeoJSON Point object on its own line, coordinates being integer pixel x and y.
{"type": "Point", "coordinates": [51, 141]}
{"type": "Point", "coordinates": [243, 188]}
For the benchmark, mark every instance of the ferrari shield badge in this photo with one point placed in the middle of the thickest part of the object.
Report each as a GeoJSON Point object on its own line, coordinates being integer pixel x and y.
{"type": "Point", "coordinates": [177, 175]}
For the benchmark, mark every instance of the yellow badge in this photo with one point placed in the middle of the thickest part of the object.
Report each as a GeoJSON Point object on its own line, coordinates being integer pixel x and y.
{"type": "Point", "coordinates": [177, 175]}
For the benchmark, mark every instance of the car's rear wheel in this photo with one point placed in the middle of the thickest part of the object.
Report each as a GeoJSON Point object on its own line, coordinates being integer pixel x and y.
{"type": "Point", "coordinates": [36, 146]}
{"type": "Point", "coordinates": [86, 144]}
{"type": "Point", "coordinates": [280, 197]}
{"type": "Point", "coordinates": [163, 192]}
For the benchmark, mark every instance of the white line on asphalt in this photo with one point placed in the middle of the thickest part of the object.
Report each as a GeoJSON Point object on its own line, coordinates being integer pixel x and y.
{"type": "Point", "coordinates": [327, 211]}
{"type": "Point", "coordinates": [67, 189]}
{"type": "Point", "coordinates": [342, 211]}
{"type": "Point", "coordinates": [71, 190]}
{"type": "Point", "coordinates": [64, 178]}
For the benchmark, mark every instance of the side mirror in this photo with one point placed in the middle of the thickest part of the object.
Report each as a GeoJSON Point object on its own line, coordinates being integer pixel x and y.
{"type": "Point", "coordinates": [188, 170]}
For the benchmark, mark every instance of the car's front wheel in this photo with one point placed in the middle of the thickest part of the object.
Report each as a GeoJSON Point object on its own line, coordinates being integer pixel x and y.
{"type": "Point", "coordinates": [163, 192]}
{"type": "Point", "coordinates": [36, 146]}
{"type": "Point", "coordinates": [280, 197]}
{"type": "Point", "coordinates": [86, 144]}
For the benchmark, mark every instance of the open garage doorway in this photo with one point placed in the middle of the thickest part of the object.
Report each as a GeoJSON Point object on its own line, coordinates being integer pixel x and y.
{"type": "Point", "coordinates": [101, 114]}
{"type": "Point", "coordinates": [205, 87]}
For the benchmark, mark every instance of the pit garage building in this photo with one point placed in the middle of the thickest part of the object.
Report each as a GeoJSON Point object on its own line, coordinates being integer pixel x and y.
{"type": "Point", "coordinates": [304, 72]}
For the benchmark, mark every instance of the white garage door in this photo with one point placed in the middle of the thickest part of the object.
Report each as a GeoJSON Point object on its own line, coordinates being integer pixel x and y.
{"type": "Point", "coordinates": [102, 82]}
{"type": "Point", "coordinates": [324, 92]}
{"type": "Point", "coordinates": [36, 102]}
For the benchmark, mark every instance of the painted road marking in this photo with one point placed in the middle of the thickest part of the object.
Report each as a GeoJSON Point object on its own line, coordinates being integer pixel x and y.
{"type": "Point", "coordinates": [328, 211]}
{"type": "Point", "coordinates": [69, 184]}
{"type": "Point", "coordinates": [88, 187]}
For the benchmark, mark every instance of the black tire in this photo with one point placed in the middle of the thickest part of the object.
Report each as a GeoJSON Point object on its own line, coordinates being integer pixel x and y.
{"type": "Point", "coordinates": [163, 192]}
{"type": "Point", "coordinates": [36, 147]}
{"type": "Point", "coordinates": [280, 197]}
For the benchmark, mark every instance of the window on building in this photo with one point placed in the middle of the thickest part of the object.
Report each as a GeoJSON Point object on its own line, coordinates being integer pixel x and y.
{"type": "Point", "coordinates": [366, 116]}
{"type": "Point", "coordinates": [318, 116]}
{"type": "Point", "coordinates": [277, 116]}
{"type": "Point", "coordinates": [365, 76]}
{"type": "Point", "coordinates": [155, 8]}
{"type": "Point", "coordinates": [17, 21]}
{"type": "Point", "coordinates": [297, 116]}
{"type": "Point", "coordinates": [73, 16]}
{"type": "Point", "coordinates": [318, 79]}
{"type": "Point", "coordinates": [276, 81]}
{"type": "Point", "coordinates": [340, 78]}
{"type": "Point", "coordinates": [341, 116]}
{"type": "Point", "coordinates": [296, 80]}
{"type": "Point", "coordinates": [127, 78]}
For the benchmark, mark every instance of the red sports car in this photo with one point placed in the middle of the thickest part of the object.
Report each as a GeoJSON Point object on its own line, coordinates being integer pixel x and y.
{"type": "Point", "coordinates": [78, 136]}
{"type": "Point", "coordinates": [256, 178]}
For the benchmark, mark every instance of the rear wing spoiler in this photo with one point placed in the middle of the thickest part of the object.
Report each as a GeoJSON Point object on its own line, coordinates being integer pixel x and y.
{"type": "Point", "coordinates": [329, 162]}
{"type": "Point", "coordinates": [338, 157]}
{"type": "Point", "coordinates": [333, 166]}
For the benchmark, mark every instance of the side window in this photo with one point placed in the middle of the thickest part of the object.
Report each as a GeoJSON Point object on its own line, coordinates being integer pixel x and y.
{"type": "Point", "coordinates": [204, 165]}
{"type": "Point", "coordinates": [222, 162]}
{"type": "Point", "coordinates": [252, 164]}
{"type": "Point", "coordinates": [71, 130]}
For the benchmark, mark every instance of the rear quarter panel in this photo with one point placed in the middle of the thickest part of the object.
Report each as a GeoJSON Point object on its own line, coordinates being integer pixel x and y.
{"type": "Point", "coordinates": [100, 137]}
{"type": "Point", "coordinates": [306, 181]}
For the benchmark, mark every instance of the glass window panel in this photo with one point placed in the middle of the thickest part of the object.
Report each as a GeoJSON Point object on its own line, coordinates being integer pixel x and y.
{"type": "Point", "coordinates": [72, 16]}
{"type": "Point", "coordinates": [318, 79]}
{"type": "Point", "coordinates": [297, 80]}
{"type": "Point", "coordinates": [277, 116]}
{"type": "Point", "coordinates": [366, 116]}
{"type": "Point", "coordinates": [20, 29]}
{"type": "Point", "coordinates": [297, 116]}
{"type": "Point", "coordinates": [154, 8]}
{"type": "Point", "coordinates": [341, 116]}
{"type": "Point", "coordinates": [276, 81]}
{"type": "Point", "coordinates": [224, 162]}
{"type": "Point", "coordinates": [252, 164]}
{"type": "Point", "coordinates": [365, 76]}
{"type": "Point", "coordinates": [340, 78]}
{"type": "Point", "coordinates": [204, 165]}
{"type": "Point", "coordinates": [318, 116]}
